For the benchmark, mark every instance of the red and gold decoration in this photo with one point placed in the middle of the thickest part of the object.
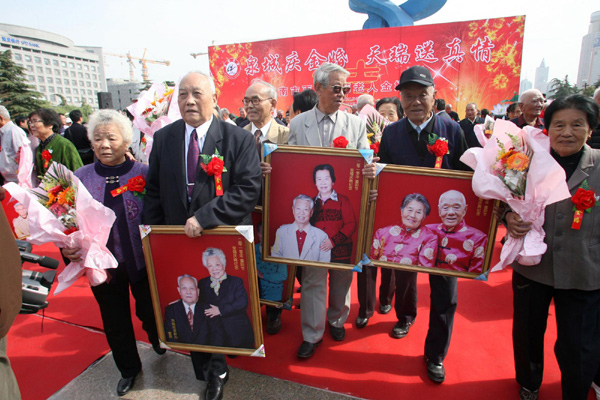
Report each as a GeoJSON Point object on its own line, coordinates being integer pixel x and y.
{"type": "Point", "coordinates": [135, 185]}
{"type": "Point", "coordinates": [47, 157]}
{"type": "Point", "coordinates": [583, 199]}
{"type": "Point", "coordinates": [438, 147]}
{"type": "Point", "coordinates": [214, 166]}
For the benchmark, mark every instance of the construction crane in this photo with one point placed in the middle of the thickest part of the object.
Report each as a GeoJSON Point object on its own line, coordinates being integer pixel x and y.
{"type": "Point", "coordinates": [142, 60]}
{"type": "Point", "coordinates": [201, 54]}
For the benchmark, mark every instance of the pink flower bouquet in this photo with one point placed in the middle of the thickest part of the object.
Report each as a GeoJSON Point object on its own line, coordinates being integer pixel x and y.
{"type": "Point", "coordinates": [515, 166]}
{"type": "Point", "coordinates": [155, 108]}
{"type": "Point", "coordinates": [63, 212]}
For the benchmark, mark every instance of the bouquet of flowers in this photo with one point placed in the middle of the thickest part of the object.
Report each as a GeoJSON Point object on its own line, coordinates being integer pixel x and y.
{"type": "Point", "coordinates": [154, 109]}
{"type": "Point", "coordinates": [484, 131]}
{"type": "Point", "coordinates": [376, 123]}
{"type": "Point", "coordinates": [63, 212]}
{"type": "Point", "coordinates": [515, 166]}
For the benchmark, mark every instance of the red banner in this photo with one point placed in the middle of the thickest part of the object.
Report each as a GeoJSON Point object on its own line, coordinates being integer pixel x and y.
{"type": "Point", "coordinates": [472, 61]}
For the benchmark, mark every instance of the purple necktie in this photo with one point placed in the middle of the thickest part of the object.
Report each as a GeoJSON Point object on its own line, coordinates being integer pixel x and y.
{"type": "Point", "coordinates": [192, 162]}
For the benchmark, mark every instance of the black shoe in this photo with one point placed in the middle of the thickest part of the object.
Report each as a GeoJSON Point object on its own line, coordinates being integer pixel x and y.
{"type": "Point", "coordinates": [214, 388]}
{"type": "Point", "coordinates": [385, 309]}
{"type": "Point", "coordinates": [361, 322]}
{"type": "Point", "coordinates": [159, 350]}
{"type": "Point", "coordinates": [435, 372]}
{"type": "Point", "coordinates": [307, 349]}
{"type": "Point", "coordinates": [526, 394]}
{"type": "Point", "coordinates": [338, 334]}
{"type": "Point", "coordinates": [274, 326]}
{"type": "Point", "coordinates": [401, 329]}
{"type": "Point", "coordinates": [125, 385]}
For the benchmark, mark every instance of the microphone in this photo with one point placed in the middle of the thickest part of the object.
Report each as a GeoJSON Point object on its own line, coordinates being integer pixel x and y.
{"type": "Point", "coordinates": [41, 260]}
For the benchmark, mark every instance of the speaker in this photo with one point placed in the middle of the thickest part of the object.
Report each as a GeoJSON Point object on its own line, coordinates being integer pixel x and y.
{"type": "Point", "coordinates": [105, 100]}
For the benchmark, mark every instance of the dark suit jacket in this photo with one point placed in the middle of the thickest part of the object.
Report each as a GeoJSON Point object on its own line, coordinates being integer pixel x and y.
{"type": "Point", "coordinates": [454, 116]}
{"type": "Point", "coordinates": [469, 129]}
{"type": "Point", "coordinates": [233, 303]}
{"type": "Point", "coordinates": [177, 326]}
{"type": "Point", "coordinates": [443, 114]}
{"type": "Point", "coordinates": [77, 134]}
{"type": "Point", "coordinates": [166, 200]}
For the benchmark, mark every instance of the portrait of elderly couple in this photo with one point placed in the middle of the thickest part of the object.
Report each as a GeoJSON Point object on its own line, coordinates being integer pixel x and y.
{"type": "Point", "coordinates": [211, 311]}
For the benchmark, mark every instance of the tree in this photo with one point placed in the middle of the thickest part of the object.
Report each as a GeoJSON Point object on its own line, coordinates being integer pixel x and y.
{"type": "Point", "coordinates": [590, 89]}
{"type": "Point", "coordinates": [15, 94]}
{"type": "Point", "coordinates": [560, 88]}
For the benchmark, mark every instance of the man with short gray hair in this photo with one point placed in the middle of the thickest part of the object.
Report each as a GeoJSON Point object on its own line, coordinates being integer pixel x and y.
{"type": "Point", "coordinates": [363, 100]}
{"type": "Point", "coordinates": [531, 103]}
{"type": "Point", "coordinates": [319, 127]}
{"type": "Point", "coordinates": [225, 116]}
{"type": "Point", "coordinates": [12, 138]}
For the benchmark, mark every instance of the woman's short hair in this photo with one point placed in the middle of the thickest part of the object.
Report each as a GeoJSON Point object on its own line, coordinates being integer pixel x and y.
{"type": "Point", "coordinates": [576, 102]}
{"type": "Point", "coordinates": [416, 197]}
{"type": "Point", "coordinates": [324, 167]}
{"type": "Point", "coordinates": [49, 117]}
{"type": "Point", "coordinates": [110, 117]}
{"type": "Point", "coordinates": [213, 251]}
{"type": "Point", "coordinates": [391, 100]}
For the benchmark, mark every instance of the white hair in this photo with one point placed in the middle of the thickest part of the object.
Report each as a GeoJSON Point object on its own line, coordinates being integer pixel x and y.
{"type": "Point", "coordinates": [323, 72]}
{"type": "Point", "coordinates": [271, 92]}
{"type": "Point", "coordinates": [364, 99]}
{"type": "Point", "coordinates": [186, 276]}
{"type": "Point", "coordinates": [213, 251]}
{"type": "Point", "coordinates": [110, 117]}
{"type": "Point", "coordinates": [303, 197]}
{"type": "Point", "coordinates": [529, 92]}
{"type": "Point", "coordinates": [596, 94]}
{"type": "Point", "coordinates": [211, 83]}
{"type": "Point", "coordinates": [451, 192]}
{"type": "Point", "coordinates": [4, 113]}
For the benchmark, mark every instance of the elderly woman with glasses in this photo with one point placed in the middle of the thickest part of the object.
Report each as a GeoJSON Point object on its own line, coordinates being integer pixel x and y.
{"type": "Point", "coordinates": [110, 134]}
{"type": "Point", "coordinates": [44, 124]}
{"type": "Point", "coordinates": [569, 271]}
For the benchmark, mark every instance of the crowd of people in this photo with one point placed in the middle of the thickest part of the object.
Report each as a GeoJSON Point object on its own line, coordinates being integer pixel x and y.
{"type": "Point", "coordinates": [178, 192]}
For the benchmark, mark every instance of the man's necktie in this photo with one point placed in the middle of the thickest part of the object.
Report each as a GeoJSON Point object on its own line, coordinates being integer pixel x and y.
{"type": "Point", "coordinates": [192, 162]}
{"type": "Point", "coordinates": [190, 316]}
{"type": "Point", "coordinates": [300, 238]}
{"type": "Point", "coordinates": [257, 136]}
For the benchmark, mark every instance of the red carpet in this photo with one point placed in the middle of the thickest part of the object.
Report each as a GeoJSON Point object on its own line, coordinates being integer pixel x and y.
{"type": "Point", "coordinates": [368, 364]}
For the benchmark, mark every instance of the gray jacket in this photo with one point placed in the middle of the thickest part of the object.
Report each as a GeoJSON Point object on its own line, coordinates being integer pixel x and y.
{"type": "Point", "coordinates": [572, 260]}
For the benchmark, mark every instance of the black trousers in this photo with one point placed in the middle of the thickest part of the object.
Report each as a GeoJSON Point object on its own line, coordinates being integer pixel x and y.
{"type": "Point", "coordinates": [113, 299]}
{"type": "Point", "coordinates": [367, 282]}
{"type": "Point", "coordinates": [273, 312]}
{"type": "Point", "coordinates": [441, 312]}
{"type": "Point", "coordinates": [577, 347]}
{"type": "Point", "coordinates": [208, 365]}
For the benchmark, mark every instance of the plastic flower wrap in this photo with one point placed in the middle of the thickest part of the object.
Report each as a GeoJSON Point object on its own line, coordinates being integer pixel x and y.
{"type": "Point", "coordinates": [25, 161]}
{"type": "Point", "coordinates": [515, 166]}
{"type": "Point", "coordinates": [483, 132]}
{"type": "Point", "coordinates": [63, 212]}
{"type": "Point", "coordinates": [155, 108]}
{"type": "Point", "coordinates": [376, 123]}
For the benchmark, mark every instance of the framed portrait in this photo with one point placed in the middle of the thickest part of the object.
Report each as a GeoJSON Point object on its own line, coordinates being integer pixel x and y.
{"type": "Point", "coordinates": [429, 220]}
{"type": "Point", "coordinates": [275, 280]}
{"type": "Point", "coordinates": [313, 202]}
{"type": "Point", "coordinates": [204, 290]}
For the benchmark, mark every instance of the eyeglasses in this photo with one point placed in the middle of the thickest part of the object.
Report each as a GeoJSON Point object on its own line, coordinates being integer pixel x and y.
{"type": "Point", "coordinates": [31, 121]}
{"type": "Point", "coordinates": [337, 89]}
{"type": "Point", "coordinates": [255, 100]}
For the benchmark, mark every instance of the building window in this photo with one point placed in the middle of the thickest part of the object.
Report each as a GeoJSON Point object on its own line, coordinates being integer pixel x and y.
{"type": "Point", "coordinates": [46, 61]}
{"type": "Point", "coordinates": [73, 82]}
{"type": "Point", "coordinates": [90, 93]}
{"type": "Point", "coordinates": [94, 76]}
{"type": "Point", "coordinates": [76, 99]}
{"type": "Point", "coordinates": [51, 89]}
{"type": "Point", "coordinates": [38, 60]}
{"type": "Point", "coordinates": [55, 63]}
{"type": "Point", "coordinates": [65, 72]}
{"type": "Point", "coordinates": [43, 89]}
{"type": "Point", "coordinates": [75, 91]}
{"type": "Point", "coordinates": [49, 71]}
{"type": "Point", "coordinates": [93, 68]}
{"type": "Point", "coordinates": [88, 84]}
{"type": "Point", "coordinates": [40, 79]}
{"type": "Point", "coordinates": [17, 57]}
{"type": "Point", "coordinates": [81, 83]}
{"type": "Point", "coordinates": [27, 58]}
{"type": "Point", "coordinates": [73, 74]}
{"type": "Point", "coordinates": [63, 64]}
{"type": "Point", "coordinates": [39, 70]}
{"type": "Point", "coordinates": [69, 100]}
{"type": "Point", "coordinates": [80, 74]}
{"type": "Point", "coordinates": [49, 80]}
{"type": "Point", "coordinates": [68, 91]}
{"type": "Point", "coordinates": [59, 90]}
{"type": "Point", "coordinates": [95, 84]}
{"type": "Point", "coordinates": [71, 65]}
{"type": "Point", "coordinates": [30, 68]}
{"type": "Point", "coordinates": [31, 78]}
{"type": "Point", "coordinates": [56, 71]}
{"type": "Point", "coordinates": [58, 81]}
{"type": "Point", "coordinates": [87, 76]}
{"type": "Point", "coordinates": [79, 67]}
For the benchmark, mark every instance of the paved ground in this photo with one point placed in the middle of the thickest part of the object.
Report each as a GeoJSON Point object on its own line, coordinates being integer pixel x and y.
{"type": "Point", "coordinates": [171, 376]}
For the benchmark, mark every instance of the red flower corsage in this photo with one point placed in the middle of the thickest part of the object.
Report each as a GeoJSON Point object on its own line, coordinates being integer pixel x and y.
{"type": "Point", "coordinates": [214, 166]}
{"type": "Point", "coordinates": [47, 157]}
{"type": "Point", "coordinates": [340, 142]}
{"type": "Point", "coordinates": [438, 147]}
{"type": "Point", "coordinates": [583, 199]}
{"type": "Point", "coordinates": [135, 185]}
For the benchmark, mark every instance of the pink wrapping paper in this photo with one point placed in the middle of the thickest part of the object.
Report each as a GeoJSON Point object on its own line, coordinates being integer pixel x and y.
{"type": "Point", "coordinates": [546, 184]}
{"type": "Point", "coordinates": [25, 165]}
{"type": "Point", "coordinates": [95, 222]}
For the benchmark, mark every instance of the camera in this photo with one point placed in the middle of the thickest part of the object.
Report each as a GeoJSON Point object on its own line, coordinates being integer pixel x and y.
{"type": "Point", "coordinates": [35, 285]}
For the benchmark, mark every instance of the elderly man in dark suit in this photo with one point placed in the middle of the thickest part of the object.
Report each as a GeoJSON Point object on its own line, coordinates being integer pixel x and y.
{"type": "Point", "coordinates": [405, 143]}
{"type": "Point", "coordinates": [180, 192]}
{"type": "Point", "coordinates": [225, 303]}
{"type": "Point", "coordinates": [184, 322]}
{"type": "Point", "coordinates": [468, 125]}
{"type": "Point", "coordinates": [78, 135]}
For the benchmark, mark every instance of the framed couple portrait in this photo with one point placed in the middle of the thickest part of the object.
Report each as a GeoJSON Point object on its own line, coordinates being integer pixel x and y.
{"type": "Point", "coordinates": [275, 280]}
{"type": "Point", "coordinates": [315, 200]}
{"type": "Point", "coordinates": [204, 290]}
{"type": "Point", "coordinates": [429, 220]}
